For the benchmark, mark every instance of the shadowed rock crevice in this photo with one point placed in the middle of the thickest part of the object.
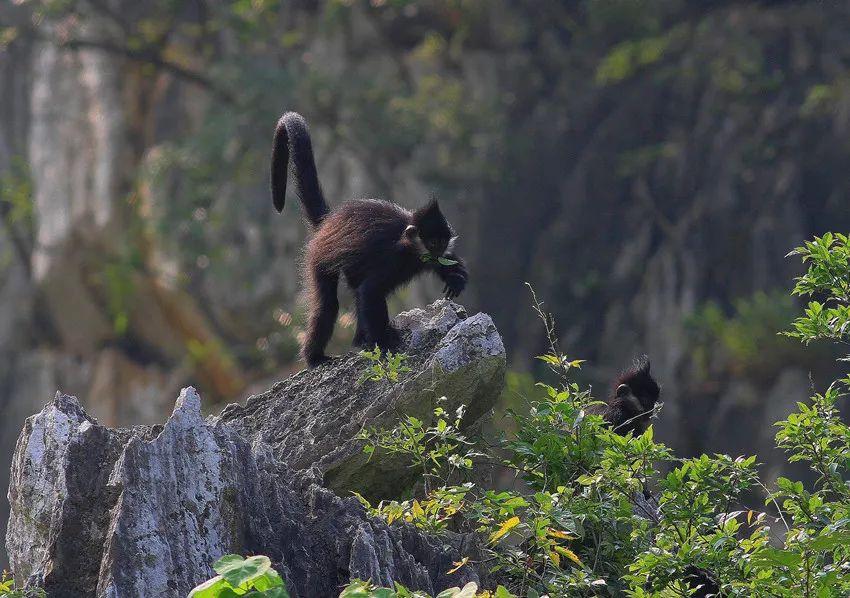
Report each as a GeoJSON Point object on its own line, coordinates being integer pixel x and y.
{"type": "Point", "coordinates": [146, 511]}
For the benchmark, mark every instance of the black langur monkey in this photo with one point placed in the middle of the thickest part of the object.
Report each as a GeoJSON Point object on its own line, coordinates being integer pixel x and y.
{"type": "Point", "coordinates": [634, 397]}
{"type": "Point", "coordinates": [376, 245]}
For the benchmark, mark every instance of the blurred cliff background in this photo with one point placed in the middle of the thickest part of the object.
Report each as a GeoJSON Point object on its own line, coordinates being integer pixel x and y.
{"type": "Point", "coordinates": [644, 164]}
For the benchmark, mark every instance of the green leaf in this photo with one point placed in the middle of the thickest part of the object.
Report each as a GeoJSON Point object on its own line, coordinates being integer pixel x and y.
{"type": "Point", "coordinates": [276, 593]}
{"type": "Point", "coordinates": [774, 556]}
{"type": "Point", "coordinates": [502, 592]}
{"type": "Point", "coordinates": [267, 581]}
{"type": "Point", "coordinates": [506, 526]}
{"type": "Point", "coordinates": [550, 359]}
{"type": "Point", "coordinates": [227, 560]}
{"type": "Point", "coordinates": [829, 541]}
{"type": "Point", "coordinates": [238, 572]}
{"type": "Point", "coordinates": [210, 588]}
{"type": "Point", "coordinates": [446, 261]}
{"type": "Point", "coordinates": [468, 591]}
{"type": "Point", "coordinates": [569, 554]}
{"type": "Point", "coordinates": [356, 589]}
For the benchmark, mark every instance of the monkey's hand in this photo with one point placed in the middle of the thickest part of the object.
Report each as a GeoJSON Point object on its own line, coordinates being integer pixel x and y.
{"type": "Point", "coordinates": [454, 276]}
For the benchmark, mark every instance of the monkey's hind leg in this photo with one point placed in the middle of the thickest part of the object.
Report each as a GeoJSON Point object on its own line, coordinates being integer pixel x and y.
{"type": "Point", "coordinates": [324, 307]}
{"type": "Point", "coordinates": [361, 339]}
{"type": "Point", "coordinates": [373, 317]}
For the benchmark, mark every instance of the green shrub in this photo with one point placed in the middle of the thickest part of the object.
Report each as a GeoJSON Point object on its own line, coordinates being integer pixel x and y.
{"type": "Point", "coordinates": [383, 366]}
{"type": "Point", "coordinates": [8, 589]}
{"type": "Point", "coordinates": [364, 589]}
{"type": "Point", "coordinates": [745, 342]}
{"type": "Point", "coordinates": [592, 515]}
{"type": "Point", "coordinates": [252, 577]}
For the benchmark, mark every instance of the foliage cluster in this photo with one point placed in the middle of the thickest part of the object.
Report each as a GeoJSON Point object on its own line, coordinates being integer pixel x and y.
{"type": "Point", "coordinates": [252, 577]}
{"type": "Point", "coordinates": [592, 516]}
{"type": "Point", "coordinates": [383, 366]}
{"type": "Point", "coordinates": [744, 342]}
{"type": "Point", "coordinates": [364, 589]}
{"type": "Point", "coordinates": [9, 589]}
{"type": "Point", "coordinates": [16, 210]}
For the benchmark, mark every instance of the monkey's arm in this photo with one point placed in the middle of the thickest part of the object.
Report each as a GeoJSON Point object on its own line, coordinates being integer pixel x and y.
{"type": "Point", "coordinates": [454, 276]}
{"type": "Point", "coordinates": [618, 418]}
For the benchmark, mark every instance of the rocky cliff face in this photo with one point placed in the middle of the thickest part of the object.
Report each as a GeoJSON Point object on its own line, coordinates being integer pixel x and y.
{"type": "Point", "coordinates": [145, 511]}
{"type": "Point", "coordinates": [632, 164]}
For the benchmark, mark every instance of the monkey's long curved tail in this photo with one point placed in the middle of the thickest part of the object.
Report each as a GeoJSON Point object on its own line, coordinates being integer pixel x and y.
{"type": "Point", "coordinates": [292, 139]}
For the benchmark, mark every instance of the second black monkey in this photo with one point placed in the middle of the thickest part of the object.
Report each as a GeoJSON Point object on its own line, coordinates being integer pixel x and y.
{"type": "Point", "coordinates": [376, 245]}
{"type": "Point", "coordinates": [635, 394]}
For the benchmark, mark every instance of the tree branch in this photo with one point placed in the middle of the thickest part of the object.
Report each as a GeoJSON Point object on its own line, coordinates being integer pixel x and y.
{"type": "Point", "coordinates": [152, 58]}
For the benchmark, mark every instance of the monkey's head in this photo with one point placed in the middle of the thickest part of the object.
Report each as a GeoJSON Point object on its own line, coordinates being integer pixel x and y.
{"type": "Point", "coordinates": [430, 231]}
{"type": "Point", "coordinates": [637, 386]}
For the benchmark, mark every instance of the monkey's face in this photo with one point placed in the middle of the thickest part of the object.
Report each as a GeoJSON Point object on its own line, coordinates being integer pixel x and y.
{"type": "Point", "coordinates": [433, 247]}
{"type": "Point", "coordinates": [624, 393]}
{"type": "Point", "coordinates": [638, 387]}
{"type": "Point", "coordinates": [436, 246]}
{"type": "Point", "coordinates": [434, 231]}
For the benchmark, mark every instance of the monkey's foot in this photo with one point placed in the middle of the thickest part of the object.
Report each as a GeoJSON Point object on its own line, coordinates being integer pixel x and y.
{"type": "Point", "coordinates": [361, 340]}
{"type": "Point", "coordinates": [391, 340]}
{"type": "Point", "coordinates": [316, 360]}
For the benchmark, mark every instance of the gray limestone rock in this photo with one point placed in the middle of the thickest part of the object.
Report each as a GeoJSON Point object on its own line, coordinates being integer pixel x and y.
{"type": "Point", "coordinates": [312, 418]}
{"type": "Point", "coordinates": [146, 511]}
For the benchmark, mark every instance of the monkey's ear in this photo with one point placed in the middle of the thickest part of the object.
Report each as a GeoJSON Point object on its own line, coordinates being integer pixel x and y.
{"type": "Point", "coordinates": [451, 246]}
{"type": "Point", "coordinates": [623, 390]}
{"type": "Point", "coordinates": [410, 232]}
{"type": "Point", "coordinates": [432, 206]}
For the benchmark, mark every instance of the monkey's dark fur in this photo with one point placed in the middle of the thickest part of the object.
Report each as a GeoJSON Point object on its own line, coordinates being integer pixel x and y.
{"type": "Point", "coordinates": [377, 246]}
{"type": "Point", "coordinates": [701, 582]}
{"type": "Point", "coordinates": [634, 396]}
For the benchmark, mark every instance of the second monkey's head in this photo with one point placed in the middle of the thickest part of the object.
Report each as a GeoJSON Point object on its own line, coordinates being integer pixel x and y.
{"type": "Point", "coordinates": [637, 386]}
{"type": "Point", "coordinates": [430, 230]}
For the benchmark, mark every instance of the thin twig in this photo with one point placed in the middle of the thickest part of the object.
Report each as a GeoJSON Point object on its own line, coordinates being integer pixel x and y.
{"type": "Point", "coordinates": [153, 58]}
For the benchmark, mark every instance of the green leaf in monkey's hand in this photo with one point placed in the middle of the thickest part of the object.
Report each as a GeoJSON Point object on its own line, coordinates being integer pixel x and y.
{"type": "Point", "coordinates": [443, 261]}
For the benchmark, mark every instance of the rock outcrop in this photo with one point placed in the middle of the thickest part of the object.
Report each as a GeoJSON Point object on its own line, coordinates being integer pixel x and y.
{"type": "Point", "coordinates": [146, 511]}
{"type": "Point", "coordinates": [311, 419]}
